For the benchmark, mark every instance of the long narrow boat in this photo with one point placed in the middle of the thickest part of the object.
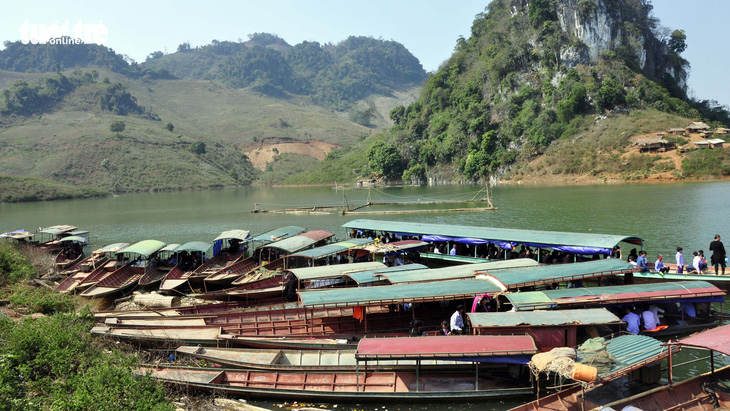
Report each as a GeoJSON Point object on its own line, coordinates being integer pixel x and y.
{"type": "Point", "coordinates": [222, 258]}
{"type": "Point", "coordinates": [129, 275]}
{"type": "Point", "coordinates": [301, 360]}
{"type": "Point", "coordinates": [47, 238]}
{"type": "Point", "coordinates": [156, 274]}
{"type": "Point", "coordinates": [700, 393]}
{"type": "Point", "coordinates": [76, 274]}
{"type": "Point", "coordinates": [227, 275]}
{"type": "Point", "coordinates": [379, 386]}
{"type": "Point", "coordinates": [71, 251]}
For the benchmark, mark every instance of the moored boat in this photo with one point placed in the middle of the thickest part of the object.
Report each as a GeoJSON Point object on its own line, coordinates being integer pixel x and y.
{"type": "Point", "coordinates": [128, 275]}
{"type": "Point", "coordinates": [477, 383]}
{"type": "Point", "coordinates": [71, 252]}
{"type": "Point", "coordinates": [100, 263]}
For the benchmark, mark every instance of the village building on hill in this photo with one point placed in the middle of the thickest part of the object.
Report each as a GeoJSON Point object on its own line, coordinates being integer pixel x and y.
{"type": "Point", "coordinates": [677, 131]}
{"type": "Point", "coordinates": [653, 144]}
{"type": "Point", "coordinates": [697, 127]}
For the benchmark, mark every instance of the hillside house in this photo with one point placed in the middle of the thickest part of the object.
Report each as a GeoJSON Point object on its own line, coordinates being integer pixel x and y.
{"type": "Point", "coordinates": [697, 127]}
{"type": "Point", "coordinates": [715, 143]}
{"type": "Point", "coordinates": [653, 144]}
{"type": "Point", "coordinates": [722, 131]}
{"type": "Point", "coordinates": [706, 134]}
{"type": "Point", "coordinates": [702, 144]}
{"type": "Point", "coordinates": [676, 131]}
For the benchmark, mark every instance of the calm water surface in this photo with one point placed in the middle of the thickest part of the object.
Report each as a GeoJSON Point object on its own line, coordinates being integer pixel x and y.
{"type": "Point", "coordinates": [664, 215]}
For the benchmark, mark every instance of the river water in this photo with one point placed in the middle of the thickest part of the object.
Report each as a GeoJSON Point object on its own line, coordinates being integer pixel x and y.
{"type": "Point", "coordinates": [664, 215]}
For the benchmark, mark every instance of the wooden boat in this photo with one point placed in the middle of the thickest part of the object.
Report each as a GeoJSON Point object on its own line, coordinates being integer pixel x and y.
{"type": "Point", "coordinates": [71, 252]}
{"type": "Point", "coordinates": [707, 391]}
{"type": "Point", "coordinates": [224, 258]}
{"type": "Point", "coordinates": [129, 275]}
{"type": "Point", "coordinates": [228, 274]}
{"type": "Point", "coordinates": [116, 282]}
{"type": "Point", "coordinates": [300, 360]}
{"type": "Point", "coordinates": [47, 238]}
{"type": "Point", "coordinates": [293, 343]}
{"type": "Point", "coordinates": [377, 385]}
{"type": "Point", "coordinates": [78, 273]}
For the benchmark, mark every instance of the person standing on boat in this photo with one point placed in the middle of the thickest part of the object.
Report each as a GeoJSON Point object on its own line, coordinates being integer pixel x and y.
{"type": "Point", "coordinates": [453, 250]}
{"type": "Point", "coordinates": [457, 322]}
{"type": "Point", "coordinates": [632, 320]}
{"type": "Point", "coordinates": [680, 260]}
{"type": "Point", "coordinates": [641, 262]}
{"type": "Point", "coordinates": [718, 254]}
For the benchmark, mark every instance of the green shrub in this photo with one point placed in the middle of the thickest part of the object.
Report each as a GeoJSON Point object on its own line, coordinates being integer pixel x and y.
{"type": "Point", "coordinates": [703, 163]}
{"type": "Point", "coordinates": [40, 300]}
{"type": "Point", "coordinates": [14, 267]}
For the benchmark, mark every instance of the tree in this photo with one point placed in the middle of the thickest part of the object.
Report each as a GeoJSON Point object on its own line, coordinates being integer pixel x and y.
{"type": "Point", "coordinates": [677, 41]}
{"type": "Point", "coordinates": [385, 159]}
{"type": "Point", "coordinates": [117, 127]}
{"type": "Point", "coordinates": [169, 127]}
{"type": "Point", "coordinates": [198, 147]}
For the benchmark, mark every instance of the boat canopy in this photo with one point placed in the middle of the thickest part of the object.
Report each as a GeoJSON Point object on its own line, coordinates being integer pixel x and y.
{"type": "Point", "coordinates": [591, 316]}
{"type": "Point", "coordinates": [467, 347]}
{"type": "Point", "coordinates": [506, 238]}
{"type": "Point", "coordinates": [17, 234]}
{"type": "Point", "coordinates": [454, 272]}
{"type": "Point", "coordinates": [75, 238]}
{"type": "Point", "coordinates": [144, 248]}
{"type": "Point", "coordinates": [237, 234]}
{"type": "Point", "coordinates": [397, 294]}
{"type": "Point", "coordinates": [57, 229]}
{"type": "Point", "coordinates": [194, 246]}
{"type": "Point", "coordinates": [111, 248]}
{"type": "Point", "coordinates": [716, 339]}
{"type": "Point", "coordinates": [632, 352]}
{"type": "Point", "coordinates": [333, 271]}
{"type": "Point", "coordinates": [370, 276]}
{"type": "Point", "coordinates": [169, 248]}
{"type": "Point", "coordinates": [332, 249]}
{"type": "Point", "coordinates": [300, 242]}
{"type": "Point", "coordinates": [277, 234]}
{"type": "Point", "coordinates": [668, 291]}
{"type": "Point", "coordinates": [556, 273]}
{"type": "Point", "coordinates": [396, 247]}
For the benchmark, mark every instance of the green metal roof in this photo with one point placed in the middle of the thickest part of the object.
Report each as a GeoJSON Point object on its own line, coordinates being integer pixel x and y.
{"type": "Point", "coordinates": [538, 300]}
{"type": "Point", "coordinates": [368, 276]}
{"type": "Point", "coordinates": [73, 238]}
{"type": "Point", "coordinates": [541, 318]}
{"type": "Point", "coordinates": [546, 274]}
{"type": "Point", "coordinates": [331, 249]}
{"type": "Point", "coordinates": [57, 229]}
{"type": "Point", "coordinates": [194, 246]}
{"type": "Point", "coordinates": [333, 271]}
{"type": "Point", "coordinates": [300, 242]}
{"type": "Point", "coordinates": [454, 272]}
{"type": "Point", "coordinates": [397, 294]}
{"type": "Point", "coordinates": [169, 247]}
{"type": "Point", "coordinates": [492, 233]}
{"type": "Point", "coordinates": [113, 247]}
{"type": "Point", "coordinates": [277, 234]}
{"type": "Point", "coordinates": [631, 352]}
{"type": "Point", "coordinates": [144, 248]}
{"type": "Point", "coordinates": [238, 234]}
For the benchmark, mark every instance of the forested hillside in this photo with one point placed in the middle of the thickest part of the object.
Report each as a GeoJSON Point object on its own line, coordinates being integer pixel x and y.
{"type": "Point", "coordinates": [333, 75]}
{"type": "Point", "coordinates": [533, 75]}
{"type": "Point", "coordinates": [84, 116]}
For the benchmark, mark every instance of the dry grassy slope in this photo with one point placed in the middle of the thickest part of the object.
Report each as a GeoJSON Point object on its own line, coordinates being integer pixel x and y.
{"type": "Point", "coordinates": [602, 151]}
{"type": "Point", "coordinates": [70, 144]}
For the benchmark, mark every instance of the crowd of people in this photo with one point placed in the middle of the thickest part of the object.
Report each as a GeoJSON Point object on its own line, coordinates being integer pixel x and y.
{"type": "Point", "coordinates": [698, 265]}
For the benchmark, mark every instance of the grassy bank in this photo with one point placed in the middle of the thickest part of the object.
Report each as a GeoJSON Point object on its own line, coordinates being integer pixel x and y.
{"type": "Point", "coordinates": [19, 189]}
{"type": "Point", "coordinates": [48, 359]}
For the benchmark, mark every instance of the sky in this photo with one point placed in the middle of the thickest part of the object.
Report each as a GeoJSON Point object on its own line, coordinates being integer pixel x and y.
{"type": "Point", "coordinates": [428, 28]}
